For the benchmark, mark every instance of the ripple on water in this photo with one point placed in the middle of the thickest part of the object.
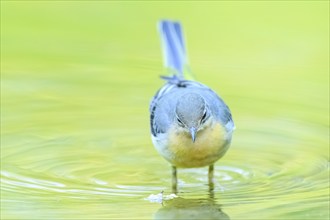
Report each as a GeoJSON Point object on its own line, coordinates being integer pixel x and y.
{"type": "Point", "coordinates": [21, 184]}
{"type": "Point", "coordinates": [258, 171]}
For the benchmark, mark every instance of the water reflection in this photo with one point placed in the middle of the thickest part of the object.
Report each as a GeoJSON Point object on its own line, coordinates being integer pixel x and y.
{"type": "Point", "coordinates": [181, 208]}
{"type": "Point", "coordinates": [72, 148]}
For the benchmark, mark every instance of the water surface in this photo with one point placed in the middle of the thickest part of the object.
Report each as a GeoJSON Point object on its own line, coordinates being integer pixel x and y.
{"type": "Point", "coordinates": [76, 81]}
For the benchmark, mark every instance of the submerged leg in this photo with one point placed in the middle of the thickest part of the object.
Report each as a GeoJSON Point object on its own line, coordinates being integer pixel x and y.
{"type": "Point", "coordinates": [211, 180]}
{"type": "Point", "coordinates": [174, 180]}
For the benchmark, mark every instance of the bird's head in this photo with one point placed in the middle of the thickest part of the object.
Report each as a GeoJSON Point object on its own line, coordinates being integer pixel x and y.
{"type": "Point", "coordinates": [191, 113]}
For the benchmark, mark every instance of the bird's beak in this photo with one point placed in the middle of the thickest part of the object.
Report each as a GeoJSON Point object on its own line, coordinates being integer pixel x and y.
{"type": "Point", "coordinates": [193, 132]}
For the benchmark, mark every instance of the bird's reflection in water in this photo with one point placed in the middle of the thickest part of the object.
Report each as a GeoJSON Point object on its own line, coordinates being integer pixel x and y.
{"type": "Point", "coordinates": [180, 208]}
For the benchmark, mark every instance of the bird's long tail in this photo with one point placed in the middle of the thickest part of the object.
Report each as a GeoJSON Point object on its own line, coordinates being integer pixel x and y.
{"type": "Point", "coordinates": [173, 47]}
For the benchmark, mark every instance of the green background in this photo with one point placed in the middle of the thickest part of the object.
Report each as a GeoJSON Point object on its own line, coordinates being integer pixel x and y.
{"type": "Point", "coordinates": [76, 81]}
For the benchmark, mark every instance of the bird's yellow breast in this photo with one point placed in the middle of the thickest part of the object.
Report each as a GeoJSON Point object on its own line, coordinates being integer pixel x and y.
{"type": "Point", "coordinates": [211, 143]}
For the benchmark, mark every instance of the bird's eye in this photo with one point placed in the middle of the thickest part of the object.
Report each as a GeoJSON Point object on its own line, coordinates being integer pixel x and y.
{"type": "Point", "coordinates": [180, 122]}
{"type": "Point", "coordinates": [203, 117]}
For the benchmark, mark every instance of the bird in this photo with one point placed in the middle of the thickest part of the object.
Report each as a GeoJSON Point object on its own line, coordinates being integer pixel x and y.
{"type": "Point", "coordinates": [191, 126]}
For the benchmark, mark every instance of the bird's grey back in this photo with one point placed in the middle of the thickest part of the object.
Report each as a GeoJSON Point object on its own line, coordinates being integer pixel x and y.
{"type": "Point", "coordinates": [163, 105]}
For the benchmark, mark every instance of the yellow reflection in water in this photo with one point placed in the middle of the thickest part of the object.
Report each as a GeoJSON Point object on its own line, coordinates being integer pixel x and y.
{"type": "Point", "coordinates": [77, 78]}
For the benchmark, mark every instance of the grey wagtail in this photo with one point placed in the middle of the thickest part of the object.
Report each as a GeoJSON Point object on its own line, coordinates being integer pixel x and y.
{"type": "Point", "coordinates": [191, 126]}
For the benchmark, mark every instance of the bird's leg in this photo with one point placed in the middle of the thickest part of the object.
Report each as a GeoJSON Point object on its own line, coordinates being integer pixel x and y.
{"type": "Point", "coordinates": [211, 180]}
{"type": "Point", "coordinates": [174, 181]}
